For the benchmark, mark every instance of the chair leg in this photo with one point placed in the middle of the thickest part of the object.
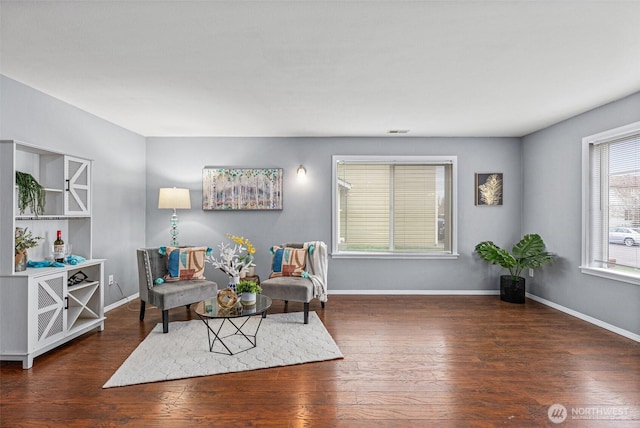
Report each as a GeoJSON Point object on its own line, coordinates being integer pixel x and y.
{"type": "Point", "coordinates": [142, 303]}
{"type": "Point", "coordinates": [165, 321]}
{"type": "Point", "coordinates": [188, 306]}
{"type": "Point", "coordinates": [322, 304]}
{"type": "Point", "coordinates": [286, 306]}
{"type": "Point", "coordinates": [306, 312]}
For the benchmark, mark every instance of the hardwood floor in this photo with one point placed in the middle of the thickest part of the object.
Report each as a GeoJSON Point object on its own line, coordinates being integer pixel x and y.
{"type": "Point", "coordinates": [409, 362]}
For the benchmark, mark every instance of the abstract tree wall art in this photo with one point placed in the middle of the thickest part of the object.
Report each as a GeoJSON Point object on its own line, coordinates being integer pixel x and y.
{"type": "Point", "coordinates": [241, 188]}
{"type": "Point", "coordinates": [489, 188]}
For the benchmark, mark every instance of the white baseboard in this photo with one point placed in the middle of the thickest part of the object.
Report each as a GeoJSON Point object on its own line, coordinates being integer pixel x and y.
{"type": "Point", "coordinates": [419, 292]}
{"type": "Point", "coordinates": [121, 302]}
{"type": "Point", "coordinates": [586, 318]}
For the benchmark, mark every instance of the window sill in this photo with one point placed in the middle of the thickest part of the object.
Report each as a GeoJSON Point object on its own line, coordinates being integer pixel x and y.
{"type": "Point", "coordinates": [610, 274]}
{"type": "Point", "coordinates": [406, 256]}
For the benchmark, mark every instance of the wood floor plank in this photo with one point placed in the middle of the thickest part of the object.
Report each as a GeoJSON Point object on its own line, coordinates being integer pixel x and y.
{"type": "Point", "coordinates": [446, 361]}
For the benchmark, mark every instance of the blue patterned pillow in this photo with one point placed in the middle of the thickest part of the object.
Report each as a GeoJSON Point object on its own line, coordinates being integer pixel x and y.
{"type": "Point", "coordinates": [185, 263]}
{"type": "Point", "coordinates": [288, 261]}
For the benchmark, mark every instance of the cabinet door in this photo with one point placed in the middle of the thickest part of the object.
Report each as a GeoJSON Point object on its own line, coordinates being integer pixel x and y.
{"type": "Point", "coordinates": [77, 195]}
{"type": "Point", "coordinates": [51, 314]}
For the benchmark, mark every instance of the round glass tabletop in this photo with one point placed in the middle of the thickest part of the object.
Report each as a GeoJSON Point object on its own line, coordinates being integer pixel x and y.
{"type": "Point", "coordinates": [210, 308]}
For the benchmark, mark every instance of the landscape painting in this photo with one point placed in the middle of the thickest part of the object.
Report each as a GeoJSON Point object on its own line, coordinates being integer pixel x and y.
{"type": "Point", "coordinates": [241, 188]}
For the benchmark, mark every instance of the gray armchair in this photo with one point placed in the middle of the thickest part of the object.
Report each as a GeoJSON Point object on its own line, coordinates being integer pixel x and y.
{"type": "Point", "coordinates": [169, 295]}
{"type": "Point", "coordinates": [302, 289]}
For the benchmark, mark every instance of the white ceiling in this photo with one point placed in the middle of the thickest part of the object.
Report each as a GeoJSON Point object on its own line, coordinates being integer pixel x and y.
{"type": "Point", "coordinates": [325, 68]}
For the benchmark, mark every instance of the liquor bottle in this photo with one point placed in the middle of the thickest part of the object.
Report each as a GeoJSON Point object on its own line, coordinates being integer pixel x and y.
{"type": "Point", "coordinates": [58, 248]}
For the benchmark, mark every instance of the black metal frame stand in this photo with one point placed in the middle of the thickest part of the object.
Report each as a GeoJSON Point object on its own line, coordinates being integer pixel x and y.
{"type": "Point", "coordinates": [238, 332]}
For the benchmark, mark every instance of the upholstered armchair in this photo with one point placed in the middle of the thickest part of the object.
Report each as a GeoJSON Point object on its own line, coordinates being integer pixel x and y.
{"type": "Point", "coordinates": [295, 279]}
{"type": "Point", "coordinates": [165, 295]}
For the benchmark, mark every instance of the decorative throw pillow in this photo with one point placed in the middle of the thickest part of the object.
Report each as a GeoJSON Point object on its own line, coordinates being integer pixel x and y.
{"type": "Point", "coordinates": [185, 263]}
{"type": "Point", "coordinates": [288, 261]}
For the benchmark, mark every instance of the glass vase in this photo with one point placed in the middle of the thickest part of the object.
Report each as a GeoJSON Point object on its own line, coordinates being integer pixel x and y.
{"type": "Point", "coordinates": [21, 261]}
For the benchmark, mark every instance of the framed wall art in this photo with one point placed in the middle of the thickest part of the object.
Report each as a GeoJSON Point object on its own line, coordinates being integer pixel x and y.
{"type": "Point", "coordinates": [488, 189]}
{"type": "Point", "coordinates": [226, 189]}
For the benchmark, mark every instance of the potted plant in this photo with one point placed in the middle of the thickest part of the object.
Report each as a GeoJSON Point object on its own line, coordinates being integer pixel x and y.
{"type": "Point", "coordinates": [24, 241]}
{"type": "Point", "coordinates": [529, 253]}
{"type": "Point", "coordinates": [248, 290]}
{"type": "Point", "coordinates": [30, 193]}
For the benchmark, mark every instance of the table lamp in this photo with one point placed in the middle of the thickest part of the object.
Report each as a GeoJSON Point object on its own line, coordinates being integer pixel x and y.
{"type": "Point", "coordinates": [173, 198]}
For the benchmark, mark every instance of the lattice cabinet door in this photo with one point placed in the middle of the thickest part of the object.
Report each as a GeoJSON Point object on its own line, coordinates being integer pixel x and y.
{"type": "Point", "coordinates": [51, 312]}
{"type": "Point", "coordinates": [77, 195]}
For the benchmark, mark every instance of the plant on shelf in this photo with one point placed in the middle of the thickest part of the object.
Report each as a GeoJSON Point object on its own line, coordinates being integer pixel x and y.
{"type": "Point", "coordinates": [529, 253]}
{"type": "Point", "coordinates": [248, 287]}
{"type": "Point", "coordinates": [24, 240]}
{"type": "Point", "coordinates": [30, 193]}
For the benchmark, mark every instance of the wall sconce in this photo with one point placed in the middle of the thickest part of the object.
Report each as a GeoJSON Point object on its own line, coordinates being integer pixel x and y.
{"type": "Point", "coordinates": [302, 172]}
{"type": "Point", "coordinates": [173, 198]}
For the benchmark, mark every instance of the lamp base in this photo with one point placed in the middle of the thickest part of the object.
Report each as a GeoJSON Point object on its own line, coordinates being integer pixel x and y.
{"type": "Point", "coordinates": [174, 229]}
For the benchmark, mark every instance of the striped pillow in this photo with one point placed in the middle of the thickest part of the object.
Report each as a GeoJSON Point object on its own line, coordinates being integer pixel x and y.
{"type": "Point", "coordinates": [288, 261]}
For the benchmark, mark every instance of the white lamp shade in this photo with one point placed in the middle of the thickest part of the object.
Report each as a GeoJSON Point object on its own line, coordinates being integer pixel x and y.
{"type": "Point", "coordinates": [174, 198]}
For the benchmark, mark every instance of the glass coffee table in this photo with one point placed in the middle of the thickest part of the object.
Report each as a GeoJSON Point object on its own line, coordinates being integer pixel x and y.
{"type": "Point", "coordinates": [229, 329]}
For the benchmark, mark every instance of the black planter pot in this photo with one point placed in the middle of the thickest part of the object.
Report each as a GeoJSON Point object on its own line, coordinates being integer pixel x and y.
{"type": "Point", "coordinates": [512, 290]}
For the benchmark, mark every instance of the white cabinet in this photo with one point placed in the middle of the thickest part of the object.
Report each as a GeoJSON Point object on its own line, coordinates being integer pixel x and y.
{"type": "Point", "coordinates": [43, 310]}
{"type": "Point", "coordinates": [39, 308]}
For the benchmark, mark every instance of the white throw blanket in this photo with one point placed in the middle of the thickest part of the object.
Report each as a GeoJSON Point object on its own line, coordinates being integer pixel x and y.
{"type": "Point", "coordinates": [318, 269]}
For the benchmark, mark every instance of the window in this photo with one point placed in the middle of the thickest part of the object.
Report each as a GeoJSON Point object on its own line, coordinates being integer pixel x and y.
{"type": "Point", "coordinates": [401, 206]}
{"type": "Point", "coordinates": [611, 204]}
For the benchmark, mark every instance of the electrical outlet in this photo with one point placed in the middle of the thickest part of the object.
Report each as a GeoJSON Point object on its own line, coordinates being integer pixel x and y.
{"type": "Point", "coordinates": [531, 272]}
{"type": "Point", "coordinates": [110, 279]}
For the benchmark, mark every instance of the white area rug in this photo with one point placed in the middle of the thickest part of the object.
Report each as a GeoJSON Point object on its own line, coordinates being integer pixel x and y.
{"type": "Point", "coordinates": [283, 340]}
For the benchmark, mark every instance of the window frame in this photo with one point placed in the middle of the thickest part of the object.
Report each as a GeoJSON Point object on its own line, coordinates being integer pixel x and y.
{"type": "Point", "coordinates": [588, 142]}
{"type": "Point", "coordinates": [386, 159]}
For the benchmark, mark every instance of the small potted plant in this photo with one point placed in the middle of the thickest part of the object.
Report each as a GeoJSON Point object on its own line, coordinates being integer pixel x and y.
{"type": "Point", "coordinates": [529, 253]}
{"type": "Point", "coordinates": [24, 241]}
{"type": "Point", "coordinates": [248, 290]}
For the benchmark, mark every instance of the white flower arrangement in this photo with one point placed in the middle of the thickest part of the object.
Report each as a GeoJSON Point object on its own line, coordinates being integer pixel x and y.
{"type": "Point", "coordinates": [231, 261]}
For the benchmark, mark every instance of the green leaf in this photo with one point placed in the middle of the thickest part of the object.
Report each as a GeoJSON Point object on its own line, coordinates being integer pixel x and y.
{"type": "Point", "coordinates": [528, 253]}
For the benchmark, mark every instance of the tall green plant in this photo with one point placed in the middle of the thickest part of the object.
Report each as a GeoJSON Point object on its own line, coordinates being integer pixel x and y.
{"type": "Point", "coordinates": [529, 253]}
{"type": "Point", "coordinates": [30, 193]}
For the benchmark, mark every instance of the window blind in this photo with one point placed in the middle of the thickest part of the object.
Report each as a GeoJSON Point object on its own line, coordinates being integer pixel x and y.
{"type": "Point", "coordinates": [615, 196]}
{"type": "Point", "coordinates": [392, 207]}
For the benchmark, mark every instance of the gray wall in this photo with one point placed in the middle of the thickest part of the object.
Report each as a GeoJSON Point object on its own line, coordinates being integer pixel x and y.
{"type": "Point", "coordinates": [118, 171]}
{"type": "Point", "coordinates": [307, 205]}
{"type": "Point", "coordinates": [542, 194]}
{"type": "Point", "coordinates": [552, 207]}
